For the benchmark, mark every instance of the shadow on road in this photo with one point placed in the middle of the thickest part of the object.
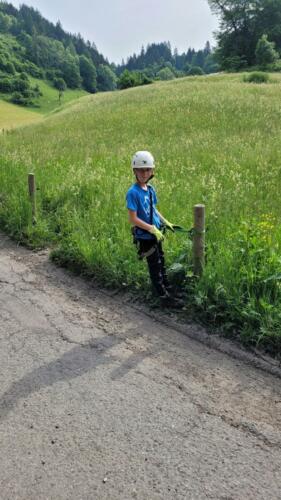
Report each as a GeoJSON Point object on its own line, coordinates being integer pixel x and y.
{"type": "Point", "coordinates": [74, 363]}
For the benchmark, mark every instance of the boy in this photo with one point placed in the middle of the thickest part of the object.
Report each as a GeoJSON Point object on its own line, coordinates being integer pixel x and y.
{"type": "Point", "coordinates": [147, 221]}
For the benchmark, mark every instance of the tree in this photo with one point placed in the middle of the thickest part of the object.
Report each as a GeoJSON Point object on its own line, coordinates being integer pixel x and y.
{"type": "Point", "coordinates": [207, 48]}
{"type": "Point", "coordinates": [44, 36]}
{"type": "Point", "coordinates": [88, 74]}
{"type": "Point", "coordinates": [106, 79]}
{"type": "Point", "coordinates": [127, 79]}
{"type": "Point", "coordinates": [70, 70]}
{"type": "Point", "coordinates": [195, 70]}
{"type": "Point", "coordinates": [265, 51]}
{"type": "Point", "coordinates": [5, 23]}
{"type": "Point", "coordinates": [59, 31]}
{"type": "Point", "coordinates": [60, 85]}
{"type": "Point", "coordinates": [165, 74]}
{"type": "Point", "coordinates": [6, 85]}
{"type": "Point", "coordinates": [210, 64]}
{"type": "Point", "coordinates": [189, 55]}
{"type": "Point", "coordinates": [21, 83]}
{"type": "Point", "coordinates": [198, 59]}
{"type": "Point", "coordinates": [243, 23]}
{"type": "Point", "coordinates": [186, 68]}
{"type": "Point", "coordinates": [6, 65]}
{"type": "Point", "coordinates": [36, 91]}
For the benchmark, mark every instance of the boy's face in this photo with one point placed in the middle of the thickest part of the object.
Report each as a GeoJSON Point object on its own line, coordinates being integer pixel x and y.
{"type": "Point", "coordinates": [143, 174]}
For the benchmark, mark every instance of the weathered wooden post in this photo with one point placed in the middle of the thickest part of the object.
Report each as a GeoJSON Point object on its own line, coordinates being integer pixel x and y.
{"type": "Point", "coordinates": [32, 194]}
{"type": "Point", "coordinates": [199, 240]}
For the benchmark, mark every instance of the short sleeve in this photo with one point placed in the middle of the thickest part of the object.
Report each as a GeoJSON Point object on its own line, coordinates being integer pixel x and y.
{"type": "Point", "coordinates": [131, 201]}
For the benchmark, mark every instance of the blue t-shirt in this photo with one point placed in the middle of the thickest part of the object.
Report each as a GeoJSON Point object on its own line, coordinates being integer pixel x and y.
{"type": "Point", "coordinates": [138, 200]}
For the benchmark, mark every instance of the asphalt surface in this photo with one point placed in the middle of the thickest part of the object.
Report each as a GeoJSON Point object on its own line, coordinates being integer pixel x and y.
{"type": "Point", "coordinates": [100, 401]}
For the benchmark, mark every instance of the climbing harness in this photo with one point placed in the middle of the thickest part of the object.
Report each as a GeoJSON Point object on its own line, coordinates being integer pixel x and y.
{"type": "Point", "coordinates": [148, 253]}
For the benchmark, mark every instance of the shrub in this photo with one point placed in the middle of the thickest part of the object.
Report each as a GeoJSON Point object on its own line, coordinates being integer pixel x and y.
{"type": "Point", "coordinates": [165, 74]}
{"type": "Point", "coordinates": [186, 68]}
{"type": "Point", "coordinates": [132, 79]}
{"type": "Point", "coordinates": [52, 74]}
{"type": "Point", "coordinates": [24, 76]}
{"type": "Point", "coordinates": [19, 67]}
{"type": "Point", "coordinates": [20, 83]}
{"type": "Point", "coordinates": [5, 22]}
{"type": "Point", "coordinates": [146, 80]}
{"type": "Point", "coordinates": [10, 68]}
{"type": "Point", "coordinates": [23, 93]}
{"type": "Point", "coordinates": [36, 91]}
{"type": "Point", "coordinates": [20, 99]}
{"type": "Point", "coordinates": [59, 84]}
{"type": "Point", "coordinates": [33, 70]}
{"type": "Point", "coordinates": [195, 70]}
{"type": "Point", "coordinates": [234, 63]}
{"type": "Point", "coordinates": [127, 79]}
{"type": "Point", "coordinates": [256, 77]}
{"type": "Point", "coordinates": [212, 68]}
{"type": "Point", "coordinates": [265, 51]}
{"type": "Point", "coordinates": [6, 65]}
{"type": "Point", "coordinates": [276, 66]}
{"type": "Point", "coordinates": [6, 85]}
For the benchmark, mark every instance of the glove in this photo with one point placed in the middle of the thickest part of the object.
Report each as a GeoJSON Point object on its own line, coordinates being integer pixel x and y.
{"type": "Point", "coordinates": [157, 233]}
{"type": "Point", "coordinates": [168, 224]}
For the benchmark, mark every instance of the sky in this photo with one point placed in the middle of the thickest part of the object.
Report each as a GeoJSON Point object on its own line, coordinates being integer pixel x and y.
{"type": "Point", "coordinates": [120, 27]}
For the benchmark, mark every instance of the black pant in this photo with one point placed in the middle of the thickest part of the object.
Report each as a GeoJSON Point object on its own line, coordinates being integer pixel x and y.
{"type": "Point", "coordinates": [156, 265]}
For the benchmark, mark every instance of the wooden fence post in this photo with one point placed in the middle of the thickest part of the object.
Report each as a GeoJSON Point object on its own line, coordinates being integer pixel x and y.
{"type": "Point", "coordinates": [199, 240]}
{"type": "Point", "coordinates": [32, 194]}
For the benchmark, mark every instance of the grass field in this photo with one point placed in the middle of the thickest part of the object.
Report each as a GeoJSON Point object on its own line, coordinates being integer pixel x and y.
{"type": "Point", "coordinates": [14, 116]}
{"type": "Point", "coordinates": [216, 140]}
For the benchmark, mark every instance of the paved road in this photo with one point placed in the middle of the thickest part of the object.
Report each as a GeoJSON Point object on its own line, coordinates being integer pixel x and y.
{"type": "Point", "coordinates": [99, 401]}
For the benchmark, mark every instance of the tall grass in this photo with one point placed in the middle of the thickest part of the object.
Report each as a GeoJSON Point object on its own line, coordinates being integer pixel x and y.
{"type": "Point", "coordinates": [216, 140]}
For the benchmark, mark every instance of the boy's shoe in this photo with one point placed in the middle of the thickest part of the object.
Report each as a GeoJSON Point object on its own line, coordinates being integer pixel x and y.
{"type": "Point", "coordinates": [167, 301]}
{"type": "Point", "coordinates": [174, 292]}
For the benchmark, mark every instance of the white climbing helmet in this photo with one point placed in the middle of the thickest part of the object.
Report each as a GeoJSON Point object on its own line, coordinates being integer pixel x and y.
{"type": "Point", "coordinates": [142, 159]}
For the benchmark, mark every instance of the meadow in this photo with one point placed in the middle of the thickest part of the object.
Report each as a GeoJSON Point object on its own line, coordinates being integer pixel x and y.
{"type": "Point", "coordinates": [14, 116]}
{"type": "Point", "coordinates": [216, 140]}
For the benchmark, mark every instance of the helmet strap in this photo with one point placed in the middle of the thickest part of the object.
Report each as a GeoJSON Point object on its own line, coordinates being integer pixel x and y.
{"type": "Point", "coordinates": [146, 182]}
{"type": "Point", "coordinates": [151, 177]}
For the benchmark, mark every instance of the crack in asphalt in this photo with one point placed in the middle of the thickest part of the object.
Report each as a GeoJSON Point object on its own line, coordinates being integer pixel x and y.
{"type": "Point", "coordinates": [246, 427]}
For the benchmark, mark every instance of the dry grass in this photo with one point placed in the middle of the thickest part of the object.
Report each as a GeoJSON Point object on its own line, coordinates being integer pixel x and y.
{"type": "Point", "coordinates": [12, 116]}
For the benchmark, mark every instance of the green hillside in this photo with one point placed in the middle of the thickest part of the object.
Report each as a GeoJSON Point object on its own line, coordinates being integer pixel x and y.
{"type": "Point", "coordinates": [46, 103]}
{"type": "Point", "coordinates": [216, 140]}
{"type": "Point", "coordinates": [49, 100]}
{"type": "Point", "coordinates": [12, 66]}
{"type": "Point", "coordinates": [15, 116]}
{"type": "Point", "coordinates": [31, 47]}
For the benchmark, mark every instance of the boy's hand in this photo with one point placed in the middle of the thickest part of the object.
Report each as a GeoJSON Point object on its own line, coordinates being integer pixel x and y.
{"type": "Point", "coordinates": [157, 233]}
{"type": "Point", "coordinates": [169, 225]}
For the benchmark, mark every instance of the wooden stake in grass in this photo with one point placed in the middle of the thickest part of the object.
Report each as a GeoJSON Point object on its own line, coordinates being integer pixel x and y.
{"type": "Point", "coordinates": [32, 194]}
{"type": "Point", "coordinates": [199, 240]}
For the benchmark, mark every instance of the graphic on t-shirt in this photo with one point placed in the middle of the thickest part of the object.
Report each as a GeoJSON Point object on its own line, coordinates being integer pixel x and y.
{"type": "Point", "coordinates": [146, 205]}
